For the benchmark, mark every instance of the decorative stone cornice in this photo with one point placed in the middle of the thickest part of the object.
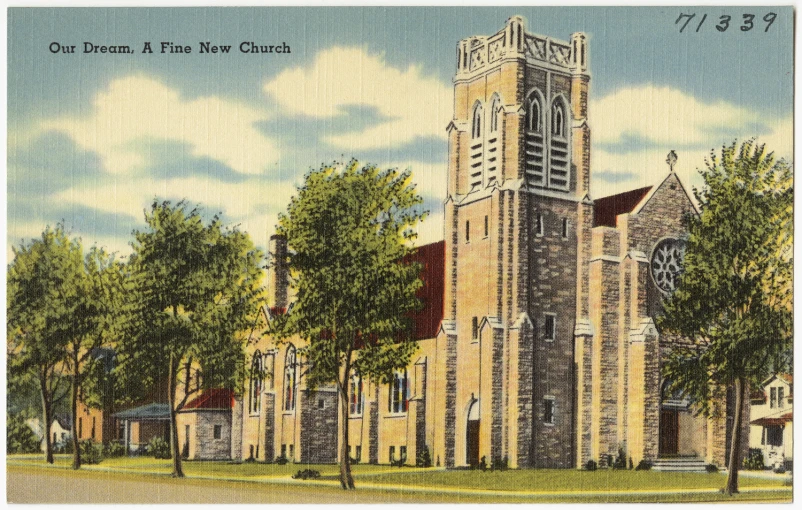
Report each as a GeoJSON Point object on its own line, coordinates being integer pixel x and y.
{"type": "Point", "coordinates": [644, 328]}
{"type": "Point", "coordinates": [493, 322]}
{"type": "Point", "coordinates": [583, 327]}
{"type": "Point", "coordinates": [523, 319]}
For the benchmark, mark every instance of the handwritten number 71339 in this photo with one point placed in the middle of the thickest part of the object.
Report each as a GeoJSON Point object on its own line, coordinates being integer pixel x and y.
{"type": "Point", "coordinates": [723, 24]}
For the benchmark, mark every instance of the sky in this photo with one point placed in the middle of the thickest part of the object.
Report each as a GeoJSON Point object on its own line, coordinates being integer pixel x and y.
{"type": "Point", "coordinates": [94, 139]}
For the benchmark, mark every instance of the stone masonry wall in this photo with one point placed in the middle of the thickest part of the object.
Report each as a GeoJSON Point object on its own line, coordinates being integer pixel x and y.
{"type": "Point", "coordinates": [319, 439]}
{"type": "Point", "coordinates": [209, 448]}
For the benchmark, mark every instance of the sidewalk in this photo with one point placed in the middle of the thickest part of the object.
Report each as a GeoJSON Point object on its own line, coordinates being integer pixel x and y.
{"type": "Point", "coordinates": [456, 491]}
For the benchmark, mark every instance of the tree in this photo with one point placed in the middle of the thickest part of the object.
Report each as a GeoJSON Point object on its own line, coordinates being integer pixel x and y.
{"type": "Point", "coordinates": [349, 230]}
{"type": "Point", "coordinates": [734, 297]}
{"type": "Point", "coordinates": [97, 303]}
{"type": "Point", "coordinates": [43, 279]}
{"type": "Point", "coordinates": [193, 289]}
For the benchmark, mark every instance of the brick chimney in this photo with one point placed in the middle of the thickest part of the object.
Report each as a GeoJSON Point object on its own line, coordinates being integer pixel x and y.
{"type": "Point", "coordinates": [278, 273]}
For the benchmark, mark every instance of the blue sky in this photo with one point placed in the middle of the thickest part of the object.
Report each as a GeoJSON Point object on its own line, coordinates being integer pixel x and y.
{"type": "Point", "coordinates": [93, 139]}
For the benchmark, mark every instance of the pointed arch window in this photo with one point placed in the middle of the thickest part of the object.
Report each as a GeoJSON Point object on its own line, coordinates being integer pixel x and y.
{"type": "Point", "coordinates": [558, 120]}
{"type": "Point", "coordinates": [476, 130]}
{"type": "Point", "coordinates": [257, 374]}
{"type": "Point", "coordinates": [535, 115]}
{"type": "Point", "coordinates": [290, 375]}
{"type": "Point", "coordinates": [495, 109]}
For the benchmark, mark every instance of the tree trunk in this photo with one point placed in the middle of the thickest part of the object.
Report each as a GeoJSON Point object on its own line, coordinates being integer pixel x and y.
{"type": "Point", "coordinates": [46, 411]}
{"type": "Point", "coordinates": [76, 448]}
{"type": "Point", "coordinates": [346, 479]}
{"type": "Point", "coordinates": [178, 471]}
{"type": "Point", "coordinates": [735, 443]}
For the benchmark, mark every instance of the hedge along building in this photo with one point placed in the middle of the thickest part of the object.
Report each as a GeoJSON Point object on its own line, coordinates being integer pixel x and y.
{"type": "Point", "coordinates": [545, 350]}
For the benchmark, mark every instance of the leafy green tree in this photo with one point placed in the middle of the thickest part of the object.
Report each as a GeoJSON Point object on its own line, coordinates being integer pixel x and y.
{"type": "Point", "coordinates": [97, 308]}
{"type": "Point", "coordinates": [194, 288]}
{"type": "Point", "coordinates": [19, 436]}
{"type": "Point", "coordinates": [349, 230]}
{"type": "Point", "coordinates": [43, 279]}
{"type": "Point", "coordinates": [734, 298]}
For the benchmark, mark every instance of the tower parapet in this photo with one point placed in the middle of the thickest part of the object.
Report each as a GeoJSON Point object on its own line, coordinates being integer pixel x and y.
{"type": "Point", "coordinates": [479, 53]}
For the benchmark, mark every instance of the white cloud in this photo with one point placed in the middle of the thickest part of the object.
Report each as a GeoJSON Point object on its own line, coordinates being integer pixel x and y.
{"type": "Point", "coordinates": [138, 109]}
{"type": "Point", "coordinates": [416, 105]}
{"type": "Point", "coordinates": [664, 119]}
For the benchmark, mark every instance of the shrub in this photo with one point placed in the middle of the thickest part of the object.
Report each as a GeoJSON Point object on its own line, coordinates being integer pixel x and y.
{"type": "Point", "coordinates": [591, 465]}
{"type": "Point", "coordinates": [499, 463]}
{"type": "Point", "coordinates": [307, 474]}
{"type": "Point", "coordinates": [281, 460]}
{"type": "Point", "coordinates": [609, 460]}
{"type": "Point", "coordinates": [63, 446]}
{"type": "Point", "coordinates": [424, 459]}
{"type": "Point", "coordinates": [483, 463]}
{"type": "Point", "coordinates": [114, 450]}
{"type": "Point", "coordinates": [631, 466]}
{"type": "Point", "coordinates": [159, 448]}
{"type": "Point", "coordinates": [621, 460]}
{"type": "Point", "coordinates": [91, 452]}
{"type": "Point", "coordinates": [711, 468]}
{"type": "Point", "coordinates": [754, 460]}
{"type": "Point", "coordinates": [19, 436]}
{"type": "Point", "coordinates": [779, 469]}
{"type": "Point", "coordinates": [397, 463]}
{"type": "Point", "coordinates": [643, 465]}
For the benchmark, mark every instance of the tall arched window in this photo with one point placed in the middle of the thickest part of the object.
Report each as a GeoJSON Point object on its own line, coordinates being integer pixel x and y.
{"type": "Point", "coordinates": [256, 383]}
{"type": "Point", "coordinates": [290, 371]}
{"type": "Point", "coordinates": [356, 396]}
{"type": "Point", "coordinates": [535, 114]}
{"type": "Point", "coordinates": [476, 130]}
{"type": "Point", "coordinates": [558, 120]}
{"type": "Point", "coordinates": [399, 397]}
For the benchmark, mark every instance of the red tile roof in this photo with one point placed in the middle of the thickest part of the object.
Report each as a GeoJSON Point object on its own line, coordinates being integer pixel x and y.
{"type": "Point", "coordinates": [606, 209]}
{"type": "Point", "coordinates": [216, 398]}
{"type": "Point", "coordinates": [432, 258]}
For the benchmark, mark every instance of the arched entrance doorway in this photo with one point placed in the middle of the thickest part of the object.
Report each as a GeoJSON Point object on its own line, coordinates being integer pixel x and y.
{"type": "Point", "coordinates": [472, 435]}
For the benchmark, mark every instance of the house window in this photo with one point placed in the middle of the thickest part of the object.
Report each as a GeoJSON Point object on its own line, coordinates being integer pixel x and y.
{"type": "Point", "coordinates": [475, 328]}
{"type": "Point", "coordinates": [321, 404]}
{"type": "Point", "coordinates": [218, 431]}
{"type": "Point", "coordinates": [292, 452]}
{"type": "Point", "coordinates": [487, 226]}
{"type": "Point", "coordinates": [93, 427]}
{"type": "Point", "coordinates": [780, 396]}
{"type": "Point", "coordinates": [550, 327]}
{"type": "Point", "coordinates": [403, 453]}
{"type": "Point", "coordinates": [399, 387]}
{"type": "Point", "coordinates": [565, 228]}
{"type": "Point", "coordinates": [358, 453]}
{"type": "Point", "coordinates": [476, 131]}
{"type": "Point", "coordinates": [356, 396]}
{"type": "Point", "coordinates": [773, 399]}
{"type": "Point", "coordinates": [392, 454]}
{"type": "Point", "coordinates": [539, 225]}
{"type": "Point", "coordinates": [283, 451]}
{"type": "Point", "coordinates": [54, 438]}
{"type": "Point", "coordinates": [289, 379]}
{"type": "Point", "coordinates": [467, 231]}
{"type": "Point", "coordinates": [774, 435]}
{"type": "Point", "coordinates": [548, 410]}
{"type": "Point", "coordinates": [257, 374]}
{"type": "Point", "coordinates": [80, 428]}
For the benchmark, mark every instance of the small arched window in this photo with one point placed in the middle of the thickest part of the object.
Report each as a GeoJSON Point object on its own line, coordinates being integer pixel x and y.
{"type": "Point", "coordinates": [535, 115]}
{"type": "Point", "coordinates": [290, 374]}
{"type": "Point", "coordinates": [476, 130]}
{"type": "Point", "coordinates": [558, 120]}
{"type": "Point", "coordinates": [257, 375]}
{"type": "Point", "coordinates": [495, 110]}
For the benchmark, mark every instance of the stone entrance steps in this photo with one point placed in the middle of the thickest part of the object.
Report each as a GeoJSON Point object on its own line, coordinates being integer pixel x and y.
{"type": "Point", "coordinates": [683, 464]}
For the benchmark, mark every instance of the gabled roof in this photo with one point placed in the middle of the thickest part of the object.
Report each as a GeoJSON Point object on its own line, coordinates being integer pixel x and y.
{"type": "Point", "coordinates": [64, 421]}
{"type": "Point", "coordinates": [432, 258]}
{"type": "Point", "coordinates": [215, 398]}
{"type": "Point", "coordinates": [606, 209]}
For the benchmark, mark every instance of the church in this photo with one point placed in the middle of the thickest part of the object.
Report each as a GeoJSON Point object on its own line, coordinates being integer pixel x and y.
{"type": "Point", "coordinates": [537, 346]}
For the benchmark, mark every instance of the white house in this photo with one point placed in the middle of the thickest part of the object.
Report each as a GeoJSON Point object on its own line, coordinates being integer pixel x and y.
{"type": "Point", "coordinates": [771, 426]}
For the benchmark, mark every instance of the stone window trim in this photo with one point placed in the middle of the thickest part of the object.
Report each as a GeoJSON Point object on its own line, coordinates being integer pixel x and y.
{"type": "Point", "coordinates": [476, 123]}
{"type": "Point", "coordinates": [534, 111]}
{"type": "Point", "coordinates": [495, 110]}
{"type": "Point", "coordinates": [549, 410]}
{"type": "Point", "coordinates": [549, 326]}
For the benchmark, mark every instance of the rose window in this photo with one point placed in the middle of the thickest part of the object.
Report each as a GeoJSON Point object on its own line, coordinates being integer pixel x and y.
{"type": "Point", "coordinates": [667, 263]}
